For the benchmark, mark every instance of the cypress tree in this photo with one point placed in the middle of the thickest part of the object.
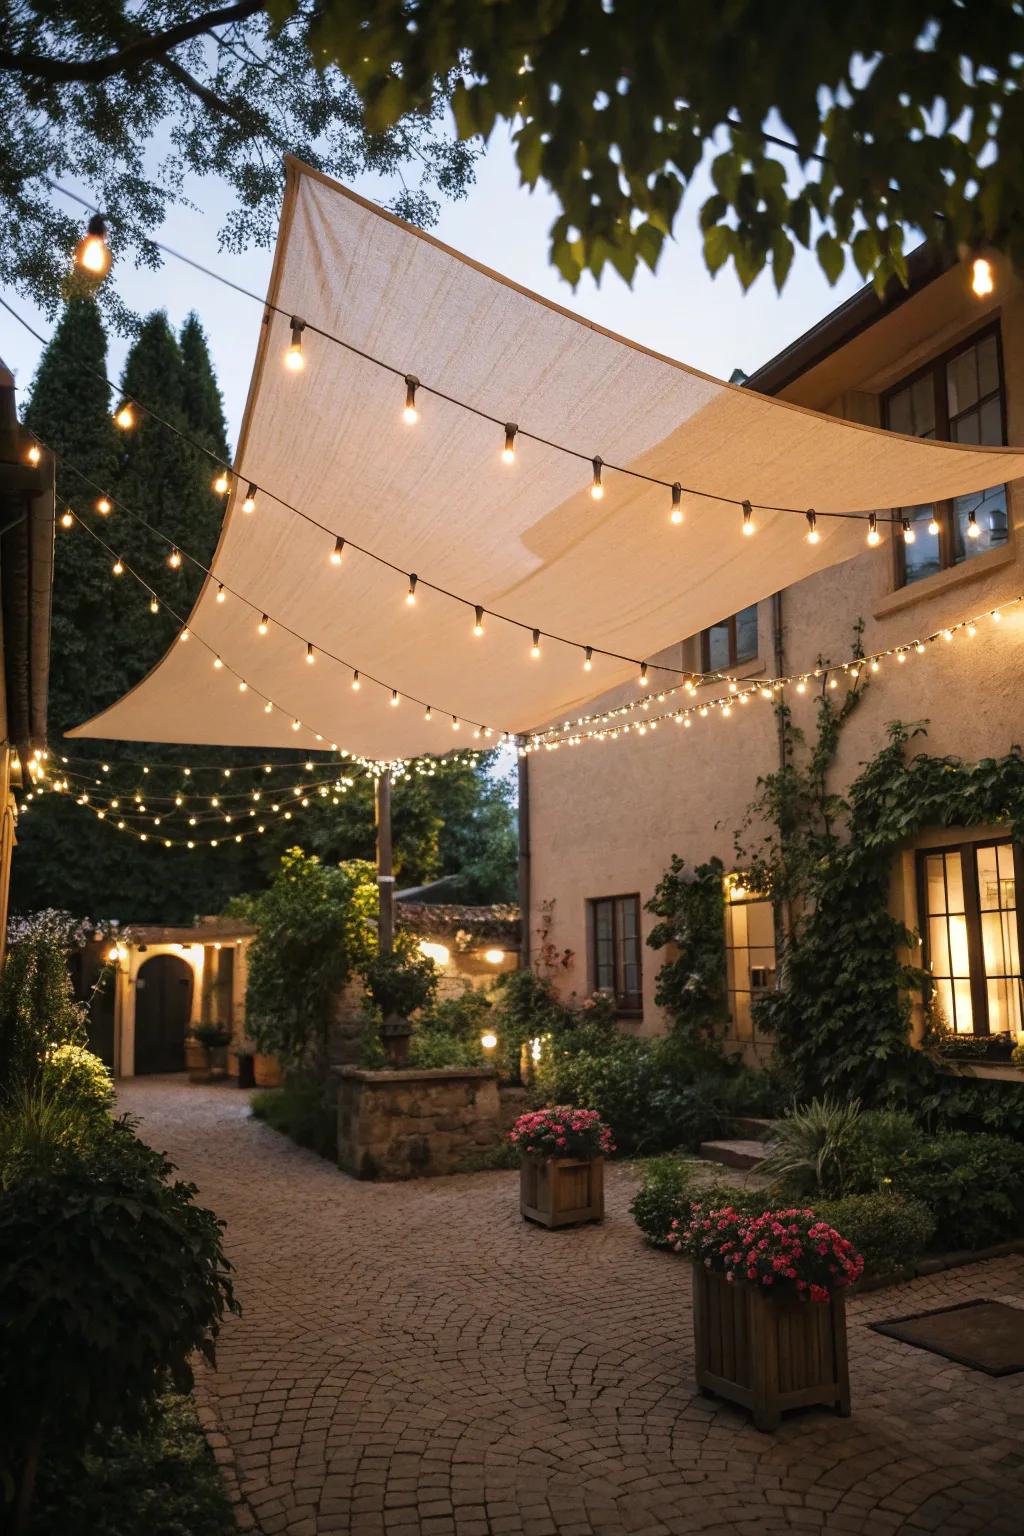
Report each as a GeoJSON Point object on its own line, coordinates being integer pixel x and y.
{"type": "Point", "coordinates": [204, 404]}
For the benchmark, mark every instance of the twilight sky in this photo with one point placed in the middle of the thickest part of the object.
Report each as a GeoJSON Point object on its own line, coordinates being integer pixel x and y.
{"type": "Point", "coordinates": [680, 311]}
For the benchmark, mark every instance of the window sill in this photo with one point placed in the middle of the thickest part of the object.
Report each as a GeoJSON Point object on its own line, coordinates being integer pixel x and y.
{"type": "Point", "coordinates": [944, 581]}
{"type": "Point", "coordinates": [1003, 1071]}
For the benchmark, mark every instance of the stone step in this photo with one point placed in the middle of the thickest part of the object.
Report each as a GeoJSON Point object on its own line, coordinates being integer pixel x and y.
{"type": "Point", "coordinates": [734, 1154]}
{"type": "Point", "coordinates": [750, 1128]}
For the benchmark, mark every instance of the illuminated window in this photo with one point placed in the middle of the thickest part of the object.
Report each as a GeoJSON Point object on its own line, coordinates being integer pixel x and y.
{"type": "Point", "coordinates": [730, 642]}
{"type": "Point", "coordinates": [958, 398]}
{"type": "Point", "coordinates": [971, 932]}
{"type": "Point", "coordinates": [615, 939]}
{"type": "Point", "coordinates": [749, 955]}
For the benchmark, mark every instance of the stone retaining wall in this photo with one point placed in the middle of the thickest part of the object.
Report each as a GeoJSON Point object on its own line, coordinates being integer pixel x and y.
{"type": "Point", "coordinates": [409, 1124]}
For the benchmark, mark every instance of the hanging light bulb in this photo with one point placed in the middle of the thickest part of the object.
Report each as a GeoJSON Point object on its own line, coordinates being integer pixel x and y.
{"type": "Point", "coordinates": [874, 537]}
{"type": "Point", "coordinates": [748, 519]}
{"type": "Point", "coordinates": [268, 708]}
{"type": "Point", "coordinates": [596, 488]}
{"type": "Point", "coordinates": [455, 723]}
{"type": "Point", "coordinates": [411, 414]}
{"type": "Point", "coordinates": [410, 596]}
{"type": "Point", "coordinates": [103, 506]}
{"type": "Point", "coordinates": [243, 686]}
{"type": "Point", "coordinates": [933, 526]}
{"type": "Point", "coordinates": [356, 684]}
{"type": "Point", "coordinates": [34, 453]}
{"type": "Point", "coordinates": [217, 664]}
{"type": "Point", "coordinates": [310, 657]}
{"type": "Point", "coordinates": [183, 634]}
{"type": "Point", "coordinates": [125, 417]}
{"type": "Point", "coordinates": [293, 358]}
{"type": "Point", "coordinates": [588, 663]}
{"type": "Point", "coordinates": [221, 594]}
{"type": "Point", "coordinates": [92, 252]}
{"type": "Point", "coordinates": [249, 504]}
{"type": "Point", "coordinates": [535, 647]}
{"type": "Point", "coordinates": [222, 484]}
{"type": "Point", "coordinates": [996, 616]}
{"type": "Point", "coordinates": [478, 627]}
{"type": "Point", "coordinates": [263, 625]}
{"type": "Point", "coordinates": [295, 725]}
{"type": "Point", "coordinates": [508, 453]}
{"type": "Point", "coordinates": [174, 559]}
{"type": "Point", "coordinates": [67, 519]}
{"type": "Point", "coordinates": [676, 515]}
{"type": "Point", "coordinates": [338, 552]}
{"type": "Point", "coordinates": [973, 531]}
{"type": "Point", "coordinates": [909, 536]}
{"type": "Point", "coordinates": [983, 281]}
{"type": "Point", "coordinates": [643, 675]}
{"type": "Point", "coordinates": [117, 567]}
{"type": "Point", "coordinates": [428, 713]}
{"type": "Point", "coordinates": [813, 536]}
{"type": "Point", "coordinates": [394, 698]}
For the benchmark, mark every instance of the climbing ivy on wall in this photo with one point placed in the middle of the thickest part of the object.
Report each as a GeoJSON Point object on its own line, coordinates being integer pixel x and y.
{"type": "Point", "coordinates": [691, 984]}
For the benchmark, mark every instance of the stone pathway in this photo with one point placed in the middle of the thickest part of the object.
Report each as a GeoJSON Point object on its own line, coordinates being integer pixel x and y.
{"type": "Point", "coordinates": [414, 1360]}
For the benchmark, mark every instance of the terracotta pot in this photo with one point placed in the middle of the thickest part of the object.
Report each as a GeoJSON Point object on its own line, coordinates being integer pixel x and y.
{"type": "Point", "coordinates": [267, 1071]}
{"type": "Point", "coordinates": [768, 1353]}
{"type": "Point", "coordinates": [562, 1191]}
{"type": "Point", "coordinates": [197, 1062]}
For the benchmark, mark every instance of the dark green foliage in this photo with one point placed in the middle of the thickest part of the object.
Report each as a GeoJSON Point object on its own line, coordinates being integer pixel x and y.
{"type": "Point", "coordinates": [402, 981]}
{"type": "Point", "coordinates": [70, 1072]}
{"type": "Point", "coordinates": [37, 1008]}
{"type": "Point", "coordinates": [972, 1183]}
{"type": "Point", "coordinates": [40, 1130]}
{"type": "Point", "coordinates": [889, 1231]}
{"type": "Point", "coordinates": [110, 1277]}
{"type": "Point", "coordinates": [202, 399]}
{"type": "Point", "coordinates": [304, 1108]}
{"type": "Point", "coordinates": [877, 1143]}
{"type": "Point", "coordinates": [664, 1196]}
{"type": "Point", "coordinates": [433, 1047]}
{"type": "Point", "coordinates": [810, 1148]}
{"type": "Point", "coordinates": [161, 1480]}
{"type": "Point", "coordinates": [225, 103]}
{"type": "Point", "coordinates": [314, 929]}
{"type": "Point", "coordinates": [691, 986]}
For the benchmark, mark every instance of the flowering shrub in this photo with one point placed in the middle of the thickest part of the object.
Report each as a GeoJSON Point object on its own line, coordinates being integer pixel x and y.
{"type": "Point", "coordinates": [561, 1132]}
{"type": "Point", "coordinates": [791, 1251]}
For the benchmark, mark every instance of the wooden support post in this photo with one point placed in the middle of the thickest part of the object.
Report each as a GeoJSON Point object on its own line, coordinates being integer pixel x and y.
{"type": "Point", "coordinates": [524, 861]}
{"type": "Point", "coordinates": [385, 877]}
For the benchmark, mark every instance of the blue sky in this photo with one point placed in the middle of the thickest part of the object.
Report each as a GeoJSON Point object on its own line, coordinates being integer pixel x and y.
{"type": "Point", "coordinates": [680, 310]}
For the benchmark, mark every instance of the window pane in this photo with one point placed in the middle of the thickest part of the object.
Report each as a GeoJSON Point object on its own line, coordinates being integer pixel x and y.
{"type": "Point", "coordinates": [967, 428]}
{"type": "Point", "coordinates": [964, 1008]}
{"type": "Point", "coordinates": [938, 946]}
{"type": "Point", "coordinates": [1007, 875]}
{"type": "Point", "coordinates": [988, 365]}
{"type": "Point", "coordinates": [746, 634]}
{"type": "Point", "coordinates": [924, 556]}
{"type": "Point", "coordinates": [954, 882]}
{"type": "Point", "coordinates": [959, 954]}
{"type": "Point", "coordinates": [718, 647]}
{"type": "Point", "coordinates": [992, 423]}
{"type": "Point", "coordinates": [990, 514]}
{"type": "Point", "coordinates": [942, 1001]}
{"type": "Point", "coordinates": [604, 953]}
{"type": "Point", "coordinates": [988, 879]}
{"type": "Point", "coordinates": [962, 381]}
{"type": "Point", "coordinates": [935, 890]}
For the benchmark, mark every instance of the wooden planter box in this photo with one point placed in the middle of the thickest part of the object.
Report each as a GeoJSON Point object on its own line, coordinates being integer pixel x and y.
{"type": "Point", "coordinates": [267, 1071]}
{"type": "Point", "coordinates": [197, 1062]}
{"type": "Point", "coordinates": [767, 1354]}
{"type": "Point", "coordinates": [562, 1191]}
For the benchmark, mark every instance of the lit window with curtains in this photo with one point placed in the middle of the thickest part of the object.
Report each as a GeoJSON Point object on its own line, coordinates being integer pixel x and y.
{"type": "Point", "coordinates": [749, 954]}
{"type": "Point", "coordinates": [615, 940]}
{"type": "Point", "coordinates": [971, 929]}
{"type": "Point", "coordinates": [958, 398]}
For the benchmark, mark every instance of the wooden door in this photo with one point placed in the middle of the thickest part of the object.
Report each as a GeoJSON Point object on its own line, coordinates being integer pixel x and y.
{"type": "Point", "coordinates": [163, 1010]}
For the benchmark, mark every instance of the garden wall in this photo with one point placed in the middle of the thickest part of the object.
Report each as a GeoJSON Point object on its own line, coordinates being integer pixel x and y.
{"type": "Point", "coordinates": [407, 1124]}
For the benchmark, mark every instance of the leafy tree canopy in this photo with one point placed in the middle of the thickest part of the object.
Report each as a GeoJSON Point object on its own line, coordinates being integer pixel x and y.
{"type": "Point", "coordinates": [904, 117]}
{"type": "Point", "coordinates": [129, 100]}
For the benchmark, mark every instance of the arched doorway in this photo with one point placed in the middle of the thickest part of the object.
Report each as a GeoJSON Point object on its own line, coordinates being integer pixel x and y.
{"type": "Point", "coordinates": [163, 1009]}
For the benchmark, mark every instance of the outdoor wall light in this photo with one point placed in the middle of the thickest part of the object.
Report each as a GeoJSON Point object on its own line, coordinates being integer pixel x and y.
{"type": "Point", "coordinates": [983, 281]}
{"type": "Point", "coordinates": [488, 1040]}
{"type": "Point", "coordinates": [439, 953]}
{"type": "Point", "coordinates": [494, 956]}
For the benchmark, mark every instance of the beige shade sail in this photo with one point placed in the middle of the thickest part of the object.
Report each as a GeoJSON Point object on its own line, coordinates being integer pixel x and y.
{"type": "Point", "coordinates": [526, 538]}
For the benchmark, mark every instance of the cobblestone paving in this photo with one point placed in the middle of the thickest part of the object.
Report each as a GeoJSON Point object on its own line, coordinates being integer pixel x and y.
{"type": "Point", "coordinates": [415, 1360]}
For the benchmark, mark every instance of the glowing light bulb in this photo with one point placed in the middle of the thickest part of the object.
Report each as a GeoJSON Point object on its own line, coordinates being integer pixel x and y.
{"type": "Point", "coordinates": [117, 567]}
{"type": "Point", "coordinates": [588, 664]}
{"type": "Point", "coordinates": [184, 634]}
{"type": "Point", "coordinates": [643, 675]}
{"type": "Point", "coordinates": [478, 627]}
{"type": "Point", "coordinates": [596, 487]}
{"type": "Point", "coordinates": [455, 723]}
{"type": "Point", "coordinates": [676, 515]}
{"type": "Point", "coordinates": [535, 647]}
{"type": "Point", "coordinates": [428, 713]}
{"type": "Point", "coordinates": [34, 453]}
{"type": "Point", "coordinates": [997, 617]}
{"type": "Point", "coordinates": [919, 648]}
{"type": "Point", "coordinates": [356, 684]}
{"type": "Point", "coordinates": [103, 506]}
{"type": "Point", "coordinates": [268, 708]}
{"type": "Point", "coordinates": [947, 635]}
{"type": "Point", "coordinates": [394, 698]}
{"type": "Point", "coordinates": [748, 519]}
{"type": "Point", "coordinates": [249, 504]}
{"type": "Point", "coordinates": [222, 484]}
{"type": "Point", "coordinates": [263, 625]}
{"type": "Point", "coordinates": [508, 453]}
{"type": "Point", "coordinates": [972, 630]}
{"type": "Point", "coordinates": [410, 596]}
{"type": "Point", "coordinates": [92, 253]}
{"type": "Point", "coordinates": [293, 358]}
{"type": "Point", "coordinates": [174, 559]}
{"type": "Point", "coordinates": [310, 657]}
{"type": "Point", "coordinates": [221, 593]}
{"type": "Point", "coordinates": [813, 536]}
{"type": "Point", "coordinates": [973, 531]}
{"type": "Point", "coordinates": [410, 414]}
{"type": "Point", "coordinates": [874, 537]}
{"type": "Point", "coordinates": [933, 526]}
{"type": "Point", "coordinates": [338, 552]}
{"type": "Point", "coordinates": [909, 536]}
{"type": "Point", "coordinates": [67, 520]}
{"type": "Point", "coordinates": [295, 725]}
{"type": "Point", "coordinates": [217, 664]}
{"type": "Point", "coordinates": [125, 417]}
{"type": "Point", "coordinates": [983, 280]}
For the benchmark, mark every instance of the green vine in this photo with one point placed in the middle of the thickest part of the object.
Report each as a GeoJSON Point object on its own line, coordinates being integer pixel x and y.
{"type": "Point", "coordinates": [691, 985]}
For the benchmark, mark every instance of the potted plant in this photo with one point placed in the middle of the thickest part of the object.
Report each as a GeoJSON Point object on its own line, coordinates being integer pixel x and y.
{"type": "Point", "coordinates": [769, 1312]}
{"type": "Point", "coordinates": [400, 981]}
{"type": "Point", "coordinates": [561, 1177]}
{"type": "Point", "coordinates": [207, 1054]}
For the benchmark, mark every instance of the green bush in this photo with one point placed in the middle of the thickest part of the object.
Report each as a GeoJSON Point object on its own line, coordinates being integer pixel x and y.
{"type": "Point", "coordinates": [402, 981]}
{"type": "Point", "coordinates": [664, 1196]}
{"type": "Point", "coordinates": [110, 1278]}
{"type": "Point", "coordinates": [465, 1015]}
{"type": "Point", "coordinates": [304, 1108]}
{"type": "Point", "coordinates": [37, 1006]}
{"type": "Point", "coordinates": [41, 1130]}
{"type": "Point", "coordinates": [972, 1183]}
{"type": "Point", "coordinates": [73, 1072]}
{"type": "Point", "coordinates": [877, 1143]}
{"type": "Point", "coordinates": [430, 1046]}
{"type": "Point", "coordinates": [889, 1231]}
{"type": "Point", "coordinates": [162, 1480]}
{"type": "Point", "coordinates": [809, 1149]}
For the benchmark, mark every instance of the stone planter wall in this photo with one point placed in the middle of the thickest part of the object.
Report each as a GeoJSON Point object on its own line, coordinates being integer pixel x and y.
{"type": "Point", "coordinates": [412, 1124]}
